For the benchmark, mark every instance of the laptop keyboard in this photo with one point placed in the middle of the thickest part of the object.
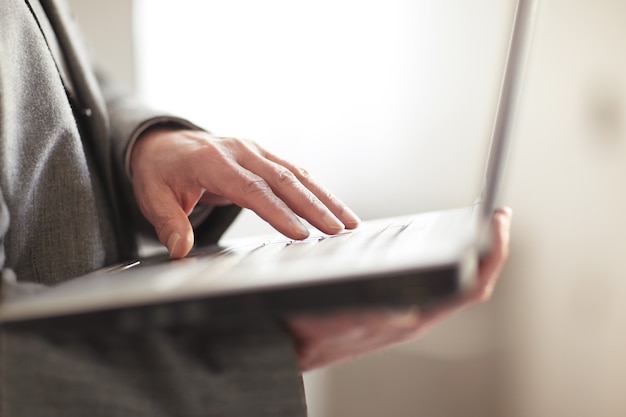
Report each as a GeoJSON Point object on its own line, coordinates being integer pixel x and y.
{"type": "Point", "coordinates": [374, 242]}
{"type": "Point", "coordinates": [365, 239]}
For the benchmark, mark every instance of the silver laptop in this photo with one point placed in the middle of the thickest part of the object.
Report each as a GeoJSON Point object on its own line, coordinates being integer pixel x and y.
{"type": "Point", "coordinates": [422, 259]}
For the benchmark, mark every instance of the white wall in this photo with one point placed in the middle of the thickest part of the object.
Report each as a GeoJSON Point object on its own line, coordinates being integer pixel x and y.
{"type": "Point", "coordinates": [566, 290]}
{"type": "Point", "coordinates": [107, 25]}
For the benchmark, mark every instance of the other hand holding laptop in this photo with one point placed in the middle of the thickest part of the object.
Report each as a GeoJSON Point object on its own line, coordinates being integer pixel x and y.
{"type": "Point", "coordinates": [325, 339]}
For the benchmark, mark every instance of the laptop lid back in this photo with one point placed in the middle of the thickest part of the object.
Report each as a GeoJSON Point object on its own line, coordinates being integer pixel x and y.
{"type": "Point", "coordinates": [510, 93]}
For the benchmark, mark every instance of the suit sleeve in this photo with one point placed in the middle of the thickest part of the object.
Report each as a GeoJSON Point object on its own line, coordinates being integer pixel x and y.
{"type": "Point", "coordinates": [128, 118]}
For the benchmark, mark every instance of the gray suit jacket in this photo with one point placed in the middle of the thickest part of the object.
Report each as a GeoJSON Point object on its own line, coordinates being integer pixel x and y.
{"type": "Point", "coordinates": [66, 209]}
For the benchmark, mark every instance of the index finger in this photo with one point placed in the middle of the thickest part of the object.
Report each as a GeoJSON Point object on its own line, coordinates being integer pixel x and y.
{"type": "Point", "coordinates": [248, 190]}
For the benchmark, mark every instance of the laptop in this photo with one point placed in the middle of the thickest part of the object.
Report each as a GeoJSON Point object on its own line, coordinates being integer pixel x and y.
{"type": "Point", "coordinates": [417, 260]}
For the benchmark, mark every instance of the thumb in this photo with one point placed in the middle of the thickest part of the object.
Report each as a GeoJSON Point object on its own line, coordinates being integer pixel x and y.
{"type": "Point", "coordinates": [179, 242]}
{"type": "Point", "coordinates": [172, 225]}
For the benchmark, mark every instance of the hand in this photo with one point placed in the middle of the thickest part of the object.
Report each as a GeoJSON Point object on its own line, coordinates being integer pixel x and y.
{"type": "Point", "coordinates": [175, 169]}
{"type": "Point", "coordinates": [333, 337]}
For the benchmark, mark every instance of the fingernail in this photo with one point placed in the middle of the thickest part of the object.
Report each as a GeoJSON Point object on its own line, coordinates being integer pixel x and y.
{"type": "Point", "coordinates": [172, 242]}
{"type": "Point", "coordinates": [354, 220]}
{"type": "Point", "coordinates": [505, 210]}
{"type": "Point", "coordinates": [299, 228]}
{"type": "Point", "coordinates": [332, 223]}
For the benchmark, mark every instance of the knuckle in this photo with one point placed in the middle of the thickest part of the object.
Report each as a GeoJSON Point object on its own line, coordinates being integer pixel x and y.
{"type": "Point", "coordinates": [238, 143]}
{"type": "Point", "coordinates": [286, 177]}
{"type": "Point", "coordinates": [237, 148]}
{"type": "Point", "coordinates": [212, 151]}
{"type": "Point", "coordinates": [256, 186]}
{"type": "Point", "coordinates": [313, 200]}
{"type": "Point", "coordinates": [302, 173]}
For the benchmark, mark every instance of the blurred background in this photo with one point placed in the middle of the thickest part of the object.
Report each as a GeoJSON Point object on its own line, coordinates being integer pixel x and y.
{"type": "Point", "coordinates": [390, 103]}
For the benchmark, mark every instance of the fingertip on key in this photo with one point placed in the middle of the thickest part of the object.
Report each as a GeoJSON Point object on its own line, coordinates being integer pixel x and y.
{"type": "Point", "coordinates": [300, 230]}
{"type": "Point", "coordinates": [332, 225]}
{"type": "Point", "coordinates": [351, 221]}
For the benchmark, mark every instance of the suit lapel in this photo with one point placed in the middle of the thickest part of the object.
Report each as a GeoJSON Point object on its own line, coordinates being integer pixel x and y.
{"type": "Point", "coordinates": [53, 45]}
{"type": "Point", "coordinates": [91, 108]}
{"type": "Point", "coordinates": [90, 105]}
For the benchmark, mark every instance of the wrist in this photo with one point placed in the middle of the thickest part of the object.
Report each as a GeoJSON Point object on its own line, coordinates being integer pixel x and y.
{"type": "Point", "coordinates": [149, 128]}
